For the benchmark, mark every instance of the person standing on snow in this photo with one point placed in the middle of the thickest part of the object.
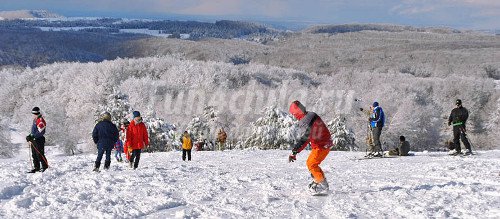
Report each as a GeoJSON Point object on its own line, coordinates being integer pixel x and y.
{"type": "Point", "coordinates": [377, 121]}
{"type": "Point", "coordinates": [312, 130]}
{"type": "Point", "coordinates": [119, 150]}
{"type": "Point", "coordinates": [221, 139]}
{"type": "Point", "coordinates": [105, 135]}
{"type": "Point", "coordinates": [137, 139]}
{"type": "Point", "coordinates": [37, 141]}
{"type": "Point", "coordinates": [123, 136]}
{"type": "Point", "coordinates": [187, 145]}
{"type": "Point", "coordinates": [457, 119]}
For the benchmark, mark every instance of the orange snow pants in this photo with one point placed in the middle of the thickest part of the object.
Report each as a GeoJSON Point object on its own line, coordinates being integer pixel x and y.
{"type": "Point", "coordinates": [315, 158]}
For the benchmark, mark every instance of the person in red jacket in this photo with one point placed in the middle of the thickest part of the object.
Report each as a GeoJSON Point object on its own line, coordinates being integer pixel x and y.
{"type": "Point", "coordinates": [137, 139]}
{"type": "Point", "coordinates": [312, 130]}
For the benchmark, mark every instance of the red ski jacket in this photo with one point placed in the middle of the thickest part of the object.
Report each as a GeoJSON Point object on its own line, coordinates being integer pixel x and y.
{"type": "Point", "coordinates": [137, 136]}
{"type": "Point", "coordinates": [312, 129]}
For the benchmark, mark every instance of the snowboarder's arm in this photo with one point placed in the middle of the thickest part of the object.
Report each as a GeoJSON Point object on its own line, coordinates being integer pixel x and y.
{"type": "Point", "coordinates": [145, 136]}
{"type": "Point", "coordinates": [305, 126]}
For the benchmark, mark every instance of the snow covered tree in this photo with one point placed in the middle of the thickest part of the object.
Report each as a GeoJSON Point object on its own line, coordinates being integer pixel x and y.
{"type": "Point", "coordinates": [117, 105]}
{"type": "Point", "coordinates": [275, 130]}
{"type": "Point", "coordinates": [6, 147]}
{"type": "Point", "coordinates": [162, 136]}
{"type": "Point", "coordinates": [199, 129]}
{"type": "Point", "coordinates": [342, 137]}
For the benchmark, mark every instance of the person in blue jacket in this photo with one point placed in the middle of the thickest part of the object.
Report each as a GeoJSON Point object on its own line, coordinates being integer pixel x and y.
{"type": "Point", "coordinates": [105, 135]}
{"type": "Point", "coordinates": [377, 121]}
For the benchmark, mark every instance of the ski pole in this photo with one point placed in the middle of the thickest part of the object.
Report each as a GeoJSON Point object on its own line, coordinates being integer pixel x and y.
{"type": "Point", "coordinates": [29, 152]}
{"type": "Point", "coordinates": [43, 157]}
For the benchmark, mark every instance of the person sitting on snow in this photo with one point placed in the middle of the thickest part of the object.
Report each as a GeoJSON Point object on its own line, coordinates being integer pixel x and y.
{"type": "Point", "coordinates": [402, 149]}
{"type": "Point", "coordinates": [312, 130]}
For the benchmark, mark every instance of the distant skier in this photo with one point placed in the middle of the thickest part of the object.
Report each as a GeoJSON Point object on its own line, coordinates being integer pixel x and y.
{"type": "Point", "coordinates": [312, 130]}
{"type": "Point", "coordinates": [105, 135]}
{"type": "Point", "coordinates": [37, 141]}
{"type": "Point", "coordinates": [377, 121]}
{"type": "Point", "coordinates": [137, 139]}
{"type": "Point", "coordinates": [402, 149]}
{"type": "Point", "coordinates": [457, 119]}
{"type": "Point", "coordinates": [187, 145]}
{"type": "Point", "coordinates": [221, 139]}
{"type": "Point", "coordinates": [119, 150]}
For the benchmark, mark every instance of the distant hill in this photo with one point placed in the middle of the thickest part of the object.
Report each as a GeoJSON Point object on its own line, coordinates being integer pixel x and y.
{"type": "Point", "coordinates": [346, 28]}
{"type": "Point", "coordinates": [10, 15]}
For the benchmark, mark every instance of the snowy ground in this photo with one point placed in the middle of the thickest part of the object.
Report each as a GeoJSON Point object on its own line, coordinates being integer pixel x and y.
{"type": "Point", "coordinates": [253, 184]}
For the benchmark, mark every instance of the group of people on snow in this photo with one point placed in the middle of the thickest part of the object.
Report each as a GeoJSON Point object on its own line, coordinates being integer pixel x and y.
{"type": "Point", "coordinates": [312, 131]}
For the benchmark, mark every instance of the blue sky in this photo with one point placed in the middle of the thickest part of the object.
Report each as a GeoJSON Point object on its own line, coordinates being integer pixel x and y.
{"type": "Point", "coordinates": [463, 14]}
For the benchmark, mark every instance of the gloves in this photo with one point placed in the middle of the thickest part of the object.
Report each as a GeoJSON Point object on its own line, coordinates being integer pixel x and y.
{"type": "Point", "coordinates": [361, 109]}
{"type": "Point", "coordinates": [30, 137]}
{"type": "Point", "coordinates": [292, 157]}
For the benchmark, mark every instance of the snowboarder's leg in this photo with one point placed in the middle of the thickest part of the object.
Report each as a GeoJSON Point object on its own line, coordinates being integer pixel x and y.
{"type": "Point", "coordinates": [465, 141]}
{"type": "Point", "coordinates": [315, 158]}
{"type": "Point", "coordinates": [456, 138]}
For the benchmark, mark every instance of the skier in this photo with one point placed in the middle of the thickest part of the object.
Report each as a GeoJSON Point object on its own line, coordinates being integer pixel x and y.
{"type": "Point", "coordinates": [105, 135]}
{"type": "Point", "coordinates": [369, 133]}
{"type": "Point", "coordinates": [187, 145]}
{"type": "Point", "coordinates": [457, 119]}
{"type": "Point", "coordinates": [377, 121]}
{"type": "Point", "coordinates": [221, 139]}
{"type": "Point", "coordinates": [137, 139]}
{"type": "Point", "coordinates": [119, 150]}
{"type": "Point", "coordinates": [37, 141]}
{"type": "Point", "coordinates": [402, 149]}
{"type": "Point", "coordinates": [312, 130]}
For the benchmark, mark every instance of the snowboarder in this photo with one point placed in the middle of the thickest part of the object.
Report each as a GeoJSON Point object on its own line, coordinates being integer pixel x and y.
{"type": "Point", "coordinates": [312, 130]}
{"type": "Point", "coordinates": [187, 145]}
{"type": "Point", "coordinates": [221, 139]}
{"type": "Point", "coordinates": [105, 135]}
{"type": "Point", "coordinates": [377, 121]}
{"type": "Point", "coordinates": [402, 149]}
{"type": "Point", "coordinates": [119, 150]}
{"type": "Point", "coordinates": [36, 140]}
{"type": "Point", "coordinates": [137, 139]}
{"type": "Point", "coordinates": [457, 119]}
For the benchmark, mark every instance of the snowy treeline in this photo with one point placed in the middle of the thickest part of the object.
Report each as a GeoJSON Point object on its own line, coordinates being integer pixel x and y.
{"type": "Point", "coordinates": [178, 90]}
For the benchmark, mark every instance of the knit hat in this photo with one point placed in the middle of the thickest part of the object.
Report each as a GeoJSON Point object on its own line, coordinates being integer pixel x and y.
{"type": "Point", "coordinates": [402, 138]}
{"type": "Point", "coordinates": [375, 104]}
{"type": "Point", "coordinates": [136, 114]}
{"type": "Point", "coordinates": [459, 102]}
{"type": "Point", "coordinates": [35, 111]}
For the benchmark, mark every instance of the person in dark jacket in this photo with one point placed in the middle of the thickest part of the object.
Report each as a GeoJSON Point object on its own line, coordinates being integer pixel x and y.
{"type": "Point", "coordinates": [457, 119]}
{"type": "Point", "coordinates": [377, 122]}
{"type": "Point", "coordinates": [402, 149]}
{"type": "Point", "coordinates": [105, 135]}
{"type": "Point", "coordinates": [36, 140]}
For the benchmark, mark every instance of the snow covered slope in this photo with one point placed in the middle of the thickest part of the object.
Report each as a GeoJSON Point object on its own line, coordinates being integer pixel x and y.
{"type": "Point", "coordinates": [251, 184]}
